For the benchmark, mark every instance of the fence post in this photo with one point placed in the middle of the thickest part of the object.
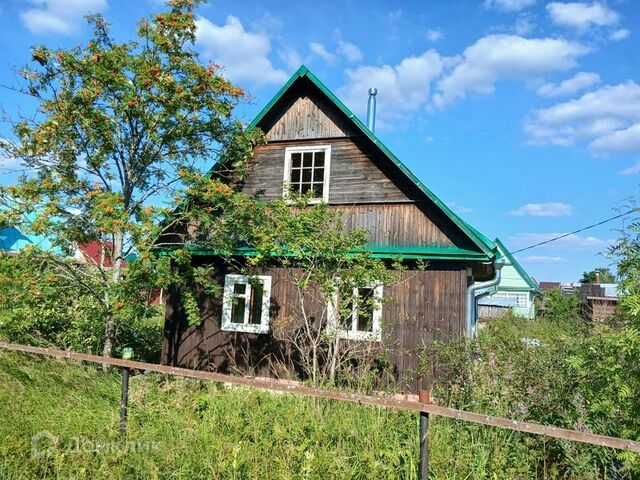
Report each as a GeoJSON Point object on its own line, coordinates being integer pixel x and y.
{"type": "Point", "coordinates": [424, 437]}
{"type": "Point", "coordinates": [124, 399]}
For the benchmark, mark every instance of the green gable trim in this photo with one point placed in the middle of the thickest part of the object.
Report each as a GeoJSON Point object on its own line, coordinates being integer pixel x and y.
{"type": "Point", "coordinates": [433, 252]}
{"type": "Point", "coordinates": [517, 289]}
{"type": "Point", "coordinates": [521, 271]}
{"type": "Point", "coordinates": [485, 245]}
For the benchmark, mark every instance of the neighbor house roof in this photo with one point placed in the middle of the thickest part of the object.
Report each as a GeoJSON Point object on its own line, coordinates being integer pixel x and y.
{"type": "Point", "coordinates": [533, 286]}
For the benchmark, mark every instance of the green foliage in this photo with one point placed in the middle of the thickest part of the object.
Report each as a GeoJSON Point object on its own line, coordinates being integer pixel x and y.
{"type": "Point", "coordinates": [605, 275]}
{"type": "Point", "coordinates": [559, 307]}
{"type": "Point", "coordinates": [38, 306]}
{"type": "Point", "coordinates": [327, 264]}
{"type": "Point", "coordinates": [627, 253]}
{"type": "Point", "coordinates": [125, 132]}
{"type": "Point", "coordinates": [184, 429]}
{"type": "Point", "coordinates": [191, 430]}
{"type": "Point", "coordinates": [575, 377]}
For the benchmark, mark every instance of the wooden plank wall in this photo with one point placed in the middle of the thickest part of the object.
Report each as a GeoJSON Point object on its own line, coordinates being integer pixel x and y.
{"type": "Point", "coordinates": [369, 197]}
{"type": "Point", "coordinates": [395, 224]}
{"type": "Point", "coordinates": [354, 177]}
{"type": "Point", "coordinates": [423, 306]}
{"type": "Point", "coordinates": [308, 117]}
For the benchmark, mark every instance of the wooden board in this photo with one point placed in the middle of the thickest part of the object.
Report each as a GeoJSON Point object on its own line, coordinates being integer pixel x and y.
{"type": "Point", "coordinates": [423, 306]}
{"type": "Point", "coordinates": [307, 117]}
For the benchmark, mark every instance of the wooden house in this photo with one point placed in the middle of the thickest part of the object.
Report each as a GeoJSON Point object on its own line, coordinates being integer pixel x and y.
{"type": "Point", "coordinates": [516, 291]}
{"type": "Point", "coordinates": [314, 143]}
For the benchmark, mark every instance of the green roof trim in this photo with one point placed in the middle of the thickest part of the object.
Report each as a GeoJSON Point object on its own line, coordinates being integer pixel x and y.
{"type": "Point", "coordinates": [431, 252]}
{"type": "Point", "coordinates": [521, 271]}
{"type": "Point", "coordinates": [518, 289]}
{"type": "Point", "coordinates": [485, 245]}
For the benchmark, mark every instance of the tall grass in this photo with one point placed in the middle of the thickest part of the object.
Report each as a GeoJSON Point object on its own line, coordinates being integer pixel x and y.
{"type": "Point", "coordinates": [183, 429]}
{"type": "Point", "coordinates": [186, 429]}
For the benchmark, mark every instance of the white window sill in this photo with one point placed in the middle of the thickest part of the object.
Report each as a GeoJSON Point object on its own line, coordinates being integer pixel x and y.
{"type": "Point", "coordinates": [238, 327]}
{"type": "Point", "coordinates": [360, 336]}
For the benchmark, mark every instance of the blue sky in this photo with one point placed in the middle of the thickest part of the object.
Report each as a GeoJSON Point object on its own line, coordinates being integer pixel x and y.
{"type": "Point", "coordinates": [522, 115]}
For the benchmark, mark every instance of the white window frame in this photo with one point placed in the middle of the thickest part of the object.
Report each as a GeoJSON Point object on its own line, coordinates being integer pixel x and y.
{"type": "Point", "coordinates": [325, 179]}
{"type": "Point", "coordinates": [227, 303]}
{"type": "Point", "coordinates": [521, 298]}
{"type": "Point", "coordinates": [375, 335]}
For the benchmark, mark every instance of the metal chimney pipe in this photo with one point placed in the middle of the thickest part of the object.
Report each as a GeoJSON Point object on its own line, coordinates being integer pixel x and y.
{"type": "Point", "coordinates": [371, 109]}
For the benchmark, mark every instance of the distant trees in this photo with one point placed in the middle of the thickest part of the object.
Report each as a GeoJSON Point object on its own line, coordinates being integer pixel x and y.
{"type": "Point", "coordinates": [598, 275]}
{"type": "Point", "coordinates": [626, 251]}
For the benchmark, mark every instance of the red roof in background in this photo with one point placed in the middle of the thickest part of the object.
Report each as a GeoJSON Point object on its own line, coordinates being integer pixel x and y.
{"type": "Point", "coordinates": [548, 285]}
{"type": "Point", "coordinates": [92, 253]}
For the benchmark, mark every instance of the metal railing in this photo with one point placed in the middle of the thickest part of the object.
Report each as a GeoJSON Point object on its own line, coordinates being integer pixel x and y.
{"type": "Point", "coordinates": [423, 407]}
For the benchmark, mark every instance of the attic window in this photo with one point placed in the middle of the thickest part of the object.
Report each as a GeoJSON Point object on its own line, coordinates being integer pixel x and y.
{"type": "Point", "coordinates": [306, 171]}
{"type": "Point", "coordinates": [245, 304]}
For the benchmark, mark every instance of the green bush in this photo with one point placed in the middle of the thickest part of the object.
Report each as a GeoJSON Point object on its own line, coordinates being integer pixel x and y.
{"type": "Point", "coordinates": [554, 371]}
{"type": "Point", "coordinates": [560, 307]}
{"type": "Point", "coordinates": [41, 306]}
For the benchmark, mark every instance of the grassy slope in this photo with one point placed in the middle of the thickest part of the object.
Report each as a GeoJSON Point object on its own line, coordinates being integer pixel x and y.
{"type": "Point", "coordinates": [188, 430]}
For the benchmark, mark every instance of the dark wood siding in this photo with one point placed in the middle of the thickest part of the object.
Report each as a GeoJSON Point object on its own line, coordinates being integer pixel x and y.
{"type": "Point", "coordinates": [393, 212]}
{"type": "Point", "coordinates": [396, 224]}
{"type": "Point", "coordinates": [423, 306]}
{"type": "Point", "coordinates": [354, 178]}
{"type": "Point", "coordinates": [308, 117]}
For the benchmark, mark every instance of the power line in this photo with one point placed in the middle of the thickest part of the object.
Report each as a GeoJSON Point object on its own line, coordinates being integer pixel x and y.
{"type": "Point", "coordinates": [574, 232]}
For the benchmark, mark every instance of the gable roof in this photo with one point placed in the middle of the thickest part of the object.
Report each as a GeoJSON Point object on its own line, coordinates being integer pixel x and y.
{"type": "Point", "coordinates": [486, 246]}
{"type": "Point", "coordinates": [516, 265]}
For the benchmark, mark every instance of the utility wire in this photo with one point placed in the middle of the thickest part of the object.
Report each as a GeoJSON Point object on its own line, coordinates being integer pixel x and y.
{"type": "Point", "coordinates": [574, 232]}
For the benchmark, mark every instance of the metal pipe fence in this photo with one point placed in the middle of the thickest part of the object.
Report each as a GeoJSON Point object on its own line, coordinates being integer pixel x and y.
{"type": "Point", "coordinates": [423, 407]}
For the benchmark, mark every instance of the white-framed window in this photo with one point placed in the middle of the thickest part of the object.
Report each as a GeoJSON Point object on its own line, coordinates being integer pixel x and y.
{"type": "Point", "coordinates": [245, 303]}
{"type": "Point", "coordinates": [306, 169]}
{"type": "Point", "coordinates": [363, 315]}
{"type": "Point", "coordinates": [521, 298]}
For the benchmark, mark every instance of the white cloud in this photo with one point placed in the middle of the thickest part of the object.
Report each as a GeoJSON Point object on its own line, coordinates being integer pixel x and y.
{"type": "Point", "coordinates": [495, 57]}
{"type": "Point", "coordinates": [434, 35]}
{"type": "Point", "coordinates": [508, 5]}
{"type": "Point", "coordinates": [632, 170]}
{"type": "Point", "coordinates": [245, 55]}
{"type": "Point", "coordinates": [9, 163]}
{"type": "Point", "coordinates": [524, 25]}
{"type": "Point", "coordinates": [572, 241]}
{"type": "Point", "coordinates": [59, 16]}
{"type": "Point", "coordinates": [402, 88]}
{"type": "Point", "coordinates": [619, 34]}
{"type": "Point", "coordinates": [579, 81]}
{"type": "Point", "coordinates": [320, 50]}
{"type": "Point", "coordinates": [607, 118]}
{"type": "Point", "coordinates": [349, 51]}
{"type": "Point", "coordinates": [541, 259]}
{"type": "Point", "coordinates": [461, 209]}
{"type": "Point", "coordinates": [551, 209]}
{"type": "Point", "coordinates": [582, 15]}
{"type": "Point", "coordinates": [346, 50]}
{"type": "Point", "coordinates": [621, 141]}
{"type": "Point", "coordinates": [290, 57]}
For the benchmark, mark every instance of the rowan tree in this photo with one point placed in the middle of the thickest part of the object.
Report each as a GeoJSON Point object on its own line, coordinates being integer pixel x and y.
{"type": "Point", "coordinates": [118, 153]}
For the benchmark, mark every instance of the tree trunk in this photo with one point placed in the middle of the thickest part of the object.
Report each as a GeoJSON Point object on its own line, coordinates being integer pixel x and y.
{"type": "Point", "coordinates": [315, 365]}
{"type": "Point", "coordinates": [116, 275]}
{"type": "Point", "coordinates": [334, 358]}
